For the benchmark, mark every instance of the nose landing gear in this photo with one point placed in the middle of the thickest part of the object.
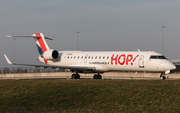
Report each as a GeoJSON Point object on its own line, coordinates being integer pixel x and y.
{"type": "Point", "coordinates": [162, 77]}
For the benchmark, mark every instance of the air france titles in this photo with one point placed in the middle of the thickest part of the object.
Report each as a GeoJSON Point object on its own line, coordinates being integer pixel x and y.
{"type": "Point", "coordinates": [98, 63]}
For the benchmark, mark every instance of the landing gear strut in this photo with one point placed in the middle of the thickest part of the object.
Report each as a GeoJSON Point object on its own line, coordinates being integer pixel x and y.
{"type": "Point", "coordinates": [75, 76]}
{"type": "Point", "coordinates": [97, 76]}
{"type": "Point", "coordinates": [162, 77]}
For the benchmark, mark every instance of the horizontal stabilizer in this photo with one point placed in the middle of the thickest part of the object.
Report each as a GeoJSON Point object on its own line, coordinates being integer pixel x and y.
{"type": "Point", "coordinates": [30, 37]}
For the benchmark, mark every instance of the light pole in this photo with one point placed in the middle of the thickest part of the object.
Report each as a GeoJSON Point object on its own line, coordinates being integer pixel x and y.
{"type": "Point", "coordinates": [163, 39]}
{"type": "Point", "coordinates": [77, 39]}
{"type": "Point", "coordinates": [14, 55]}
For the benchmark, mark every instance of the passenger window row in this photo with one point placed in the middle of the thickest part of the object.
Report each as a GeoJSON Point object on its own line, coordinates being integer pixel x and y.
{"type": "Point", "coordinates": [93, 57]}
{"type": "Point", "coordinates": [86, 57]}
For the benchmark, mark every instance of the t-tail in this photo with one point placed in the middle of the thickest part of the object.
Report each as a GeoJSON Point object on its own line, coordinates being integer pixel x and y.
{"type": "Point", "coordinates": [41, 43]}
{"type": "Point", "coordinates": [44, 51]}
{"type": "Point", "coordinates": [43, 48]}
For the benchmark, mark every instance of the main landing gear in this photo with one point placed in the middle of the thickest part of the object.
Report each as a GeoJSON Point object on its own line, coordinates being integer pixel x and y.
{"type": "Point", "coordinates": [162, 77]}
{"type": "Point", "coordinates": [75, 76]}
{"type": "Point", "coordinates": [97, 76]}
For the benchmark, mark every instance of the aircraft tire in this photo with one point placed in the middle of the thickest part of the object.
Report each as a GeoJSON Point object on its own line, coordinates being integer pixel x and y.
{"type": "Point", "coordinates": [99, 77]}
{"type": "Point", "coordinates": [77, 76]}
{"type": "Point", "coordinates": [95, 77]}
{"type": "Point", "coordinates": [73, 76]}
{"type": "Point", "coordinates": [162, 77]}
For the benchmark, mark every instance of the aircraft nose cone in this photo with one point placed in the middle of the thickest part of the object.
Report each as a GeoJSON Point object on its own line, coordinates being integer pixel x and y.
{"type": "Point", "coordinates": [172, 67]}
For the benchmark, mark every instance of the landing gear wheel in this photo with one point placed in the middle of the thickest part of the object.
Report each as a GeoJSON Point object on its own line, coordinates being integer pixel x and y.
{"type": "Point", "coordinates": [97, 77]}
{"type": "Point", "coordinates": [75, 76]}
{"type": "Point", "coordinates": [162, 77]}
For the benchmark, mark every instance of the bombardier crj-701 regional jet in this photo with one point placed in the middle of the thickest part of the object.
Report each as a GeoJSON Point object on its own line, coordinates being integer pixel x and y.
{"type": "Point", "coordinates": [99, 61]}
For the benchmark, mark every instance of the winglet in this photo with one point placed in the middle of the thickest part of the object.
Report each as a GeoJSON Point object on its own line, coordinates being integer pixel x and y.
{"type": "Point", "coordinates": [7, 59]}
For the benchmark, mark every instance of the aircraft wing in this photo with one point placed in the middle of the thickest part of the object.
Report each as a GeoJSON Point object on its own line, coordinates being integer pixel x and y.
{"type": "Point", "coordinates": [53, 66]}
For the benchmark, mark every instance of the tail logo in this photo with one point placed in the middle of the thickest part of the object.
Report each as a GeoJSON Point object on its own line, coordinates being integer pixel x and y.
{"type": "Point", "coordinates": [42, 48]}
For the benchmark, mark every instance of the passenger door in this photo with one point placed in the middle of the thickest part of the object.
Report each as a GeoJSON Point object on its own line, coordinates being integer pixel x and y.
{"type": "Point", "coordinates": [141, 61]}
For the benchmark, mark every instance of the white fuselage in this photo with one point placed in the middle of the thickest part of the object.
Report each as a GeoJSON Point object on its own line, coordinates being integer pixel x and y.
{"type": "Point", "coordinates": [114, 60]}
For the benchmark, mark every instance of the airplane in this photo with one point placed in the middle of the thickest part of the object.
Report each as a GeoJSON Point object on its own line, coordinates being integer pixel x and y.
{"type": "Point", "coordinates": [99, 62]}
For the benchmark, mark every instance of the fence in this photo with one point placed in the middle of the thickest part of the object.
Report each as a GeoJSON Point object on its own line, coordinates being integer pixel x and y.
{"type": "Point", "coordinates": [41, 70]}
{"type": "Point", "coordinates": [28, 70]}
{"type": "Point", "coordinates": [177, 70]}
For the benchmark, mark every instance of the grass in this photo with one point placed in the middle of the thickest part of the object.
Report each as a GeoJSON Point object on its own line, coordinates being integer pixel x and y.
{"type": "Point", "coordinates": [97, 96]}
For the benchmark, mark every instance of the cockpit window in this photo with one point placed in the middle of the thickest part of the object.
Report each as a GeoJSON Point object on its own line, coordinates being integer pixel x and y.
{"type": "Point", "coordinates": [157, 57]}
{"type": "Point", "coordinates": [161, 57]}
{"type": "Point", "coordinates": [153, 57]}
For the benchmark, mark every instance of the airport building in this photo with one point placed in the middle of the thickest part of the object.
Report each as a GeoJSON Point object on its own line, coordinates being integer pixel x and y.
{"type": "Point", "coordinates": [177, 63]}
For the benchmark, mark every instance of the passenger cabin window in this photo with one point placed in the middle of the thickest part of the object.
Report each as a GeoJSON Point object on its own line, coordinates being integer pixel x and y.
{"type": "Point", "coordinates": [158, 57]}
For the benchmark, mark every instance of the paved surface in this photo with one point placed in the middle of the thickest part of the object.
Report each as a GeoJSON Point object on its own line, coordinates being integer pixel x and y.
{"type": "Point", "coordinates": [110, 75]}
{"type": "Point", "coordinates": [86, 77]}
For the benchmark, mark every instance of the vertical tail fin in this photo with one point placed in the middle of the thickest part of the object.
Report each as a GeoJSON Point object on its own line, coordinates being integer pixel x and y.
{"type": "Point", "coordinates": [41, 43]}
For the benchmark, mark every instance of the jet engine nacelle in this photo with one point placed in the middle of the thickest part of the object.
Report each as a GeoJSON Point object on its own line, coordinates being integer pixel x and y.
{"type": "Point", "coordinates": [50, 54]}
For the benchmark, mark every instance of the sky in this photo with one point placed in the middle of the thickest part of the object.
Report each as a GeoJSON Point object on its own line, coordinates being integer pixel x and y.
{"type": "Point", "coordinates": [104, 25]}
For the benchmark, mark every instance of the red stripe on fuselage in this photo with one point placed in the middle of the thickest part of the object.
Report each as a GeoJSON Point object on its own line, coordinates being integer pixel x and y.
{"type": "Point", "coordinates": [41, 42]}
